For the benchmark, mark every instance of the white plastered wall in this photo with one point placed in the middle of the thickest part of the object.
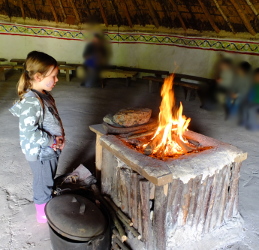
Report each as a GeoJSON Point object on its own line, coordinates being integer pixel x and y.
{"type": "Point", "coordinates": [196, 62]}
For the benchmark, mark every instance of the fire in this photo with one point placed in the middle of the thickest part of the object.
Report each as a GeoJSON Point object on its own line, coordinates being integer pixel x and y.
{"type": "Point", "coordinates": [168, 138]}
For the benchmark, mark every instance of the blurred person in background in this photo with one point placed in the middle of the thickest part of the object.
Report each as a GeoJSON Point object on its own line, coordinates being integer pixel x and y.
{"type": "Point", "coordinates": [224, 80]}
{"type": "Point", "coordinates": [95, 58]}
{"type": "Point", "coordinates": [251, 110]}
{"type": "Point", "coordinates": [239, 90]}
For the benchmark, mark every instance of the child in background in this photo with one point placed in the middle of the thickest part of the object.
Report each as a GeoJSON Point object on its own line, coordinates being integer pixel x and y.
{"type": "Point", "coordinates": [41, 131]}
{"type": "Point", "coordinates": [239, 89]}
{"type": "Point", "coordinates": [224, 80]}
{"type": "Point", "coordinates": [252, 108]}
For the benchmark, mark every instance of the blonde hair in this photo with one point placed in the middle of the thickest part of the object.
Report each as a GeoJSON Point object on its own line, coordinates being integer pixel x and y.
{"type": "Point", "coordinates": [36, 62]}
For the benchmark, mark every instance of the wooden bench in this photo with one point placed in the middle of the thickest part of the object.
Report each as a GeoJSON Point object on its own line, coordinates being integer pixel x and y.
{"type": "Point", "coordinates": [21, 61]}
{"type": "Point", "coordinates": [158, 73]}
{"type": "Point", "coordinates": [189, 83]}
{"type": "Point", "coordinates": [67, 68]}
{"type": "Point", "coordinates": [116, 73]}
{"type": "Point", "coordinates": [2, 71]}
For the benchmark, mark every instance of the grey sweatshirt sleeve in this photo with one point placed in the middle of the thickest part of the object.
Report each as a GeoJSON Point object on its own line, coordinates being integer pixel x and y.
{"type": "Point", "coordinates": [32, 138]}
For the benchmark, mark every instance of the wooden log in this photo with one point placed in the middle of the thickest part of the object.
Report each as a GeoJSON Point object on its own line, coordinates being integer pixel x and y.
{"type": "Point", "coordinates": [216, 207]}
{"type": "Point", "coordinates": [233, 189]}
{"type": "Point", "coordinates": [176, 203]}
{"type": "Point", "coordinates": [186, 201]}
{"type": "Point", "coordinates": [123, 192]}
{"type": "Point", "coordinates": [196, 184]}
{"type": "Point", "coordinates": [144, 197]}
{"type": "Point", "coordinates": [160, 213]}
{"type": "Point", "coordinates": [224, 196]}
{"type": "Point", "coordinates": [134, 136]}
{"type": "Point", "coordinates": [118, 211]}
{"type": "Point", "coordinates": [117, 223]}
{"type": "Point", "coordinates": [205, 203]}
{"type": "Point", "coordinates": [200, 200]}
{"type": "Point", "coordinates": [116, 240]}
{"type": "Point", "coordinates": [133, 201]}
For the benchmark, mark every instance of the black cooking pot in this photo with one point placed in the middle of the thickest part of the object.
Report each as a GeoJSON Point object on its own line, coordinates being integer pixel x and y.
{"type": "Point", "coordinates": [77, 223]}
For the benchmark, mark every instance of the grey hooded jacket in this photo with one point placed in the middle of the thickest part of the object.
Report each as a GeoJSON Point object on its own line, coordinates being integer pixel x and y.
{"type": "Point", "coordinates": [37, 126]}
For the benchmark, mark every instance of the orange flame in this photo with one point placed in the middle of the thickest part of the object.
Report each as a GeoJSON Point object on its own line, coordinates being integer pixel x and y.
{"type": "Point", "coordinates": [168, 138]}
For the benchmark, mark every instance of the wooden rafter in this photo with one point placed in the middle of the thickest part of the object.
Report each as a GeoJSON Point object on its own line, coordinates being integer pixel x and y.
{"type": "Point", "coordinates": [103, 13]}
{"type": "Point", "coordinates": [252, 8]}
{"type": "Point", "coordinates": [224, 16]}
{"type": "Point", "coordinates": [115, 12]}
{"type": "Point", "coordinates": [53, 10]}
{"type": "Point", "coordinates": [178, 14]}
{"type": "Point", "coordinates": [22, 8]}
{"type": "Point", "coordinates": [8, 8]}
{"type": "Point", "coordinates": [207, 14]}
{"type": "Point", "coordinates": [152, 13]}
{"type": "Point", "coordinates": [139, 12]}
{"type": "Point", "coordinates": [127, 14]}
{"type": "Point", "coordinates": [35, 10]}
{"type": "Point", "coordinates": [62, 9]}
{"type": "Point", "coordinates": [243, 17]}
{"type": "Point", "coordinates": [88, 11]}
{"type": "Point", "coordinates": [75, 10]}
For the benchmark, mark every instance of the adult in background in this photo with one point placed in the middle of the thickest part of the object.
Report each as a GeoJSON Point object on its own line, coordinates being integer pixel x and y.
{"type": "Point", "coordinates": [95, 58]}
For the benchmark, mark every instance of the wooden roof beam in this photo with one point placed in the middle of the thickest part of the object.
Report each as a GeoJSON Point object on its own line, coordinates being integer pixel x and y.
{"type": "Point", "coordinates": [103, 13]}
{"type": "Point", "coordinates": [34, 7]}
{"type": "Point", "coordinates": [22, 8]}
{"type": "Point", "coordinates": [178, 14]}
{"type": "Point", "coordinates": [207, 14]}
{"type": "Point", "coordinates": [127, 14]}
{"type": "Point", "coordinates": [75, 10]}
{"type": "Point", "coordinates": [224, 16]}
{"type": "Point", "coordinates": [153, 13]}
{"type": "Point", "coordinates": [115, 11]}
{"type": "Point", "coordinates": [243, 17]}
{"type": "Point", "coordinates": [62, 9]}
{"type": "Point", "coordinates": [53, 11]}
{"type": "Point", "coordinates": [8, 8]}
{"type": "Point", "coordinates": [252, 8]}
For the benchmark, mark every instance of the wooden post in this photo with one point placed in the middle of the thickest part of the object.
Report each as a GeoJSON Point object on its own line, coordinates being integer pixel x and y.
{"type": "Point", "coordinates": [207, 14]}
{"type": "Point", "coordinates": [243, 17]}
{"type": "Point", "coordinates": [53, 11]}
{"type": "Point", "coordinates": [103, 13]}
{"type": "Point", "coordinates": [98, 157]}
{"type": "Point", "coordinates": [178, 14]}
{"type": "Point", "coordinates": [152, 13]}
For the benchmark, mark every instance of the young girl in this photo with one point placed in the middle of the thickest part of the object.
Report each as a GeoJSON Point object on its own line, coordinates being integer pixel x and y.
{"type": "Point", "coordinates": [41, 131]}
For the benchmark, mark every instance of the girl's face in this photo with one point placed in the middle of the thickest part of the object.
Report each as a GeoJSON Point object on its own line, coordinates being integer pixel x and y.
{"type": "Point", "coordinates": [48, 82]}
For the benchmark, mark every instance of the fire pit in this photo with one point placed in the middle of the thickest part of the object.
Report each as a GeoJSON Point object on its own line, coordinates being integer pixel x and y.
{"type": "Point", "coordinates": [171, 181]}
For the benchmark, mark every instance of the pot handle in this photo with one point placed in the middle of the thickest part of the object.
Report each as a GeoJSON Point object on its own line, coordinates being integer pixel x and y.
{"type": "Point", "coordinates": [82, 205]}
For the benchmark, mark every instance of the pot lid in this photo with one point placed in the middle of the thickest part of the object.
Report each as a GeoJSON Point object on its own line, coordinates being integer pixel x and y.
{"type": "Point", "coordinates": [75, 217]}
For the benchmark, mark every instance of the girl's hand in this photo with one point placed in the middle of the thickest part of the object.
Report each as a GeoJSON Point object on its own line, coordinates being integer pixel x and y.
{"type": "Point", "coordinates": [60, 142]}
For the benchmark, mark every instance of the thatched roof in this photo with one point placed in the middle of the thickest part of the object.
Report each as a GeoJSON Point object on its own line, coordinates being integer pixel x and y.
{"type": "Point", "coordinates": [201, 15]}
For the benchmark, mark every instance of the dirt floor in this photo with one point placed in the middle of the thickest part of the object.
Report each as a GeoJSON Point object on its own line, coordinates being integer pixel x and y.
{"type": "Point", "coordinates": [80, 107]}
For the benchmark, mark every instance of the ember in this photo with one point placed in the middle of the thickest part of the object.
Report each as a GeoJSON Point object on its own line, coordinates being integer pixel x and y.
{"type": "Point", "coordinates": [168, 139]}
